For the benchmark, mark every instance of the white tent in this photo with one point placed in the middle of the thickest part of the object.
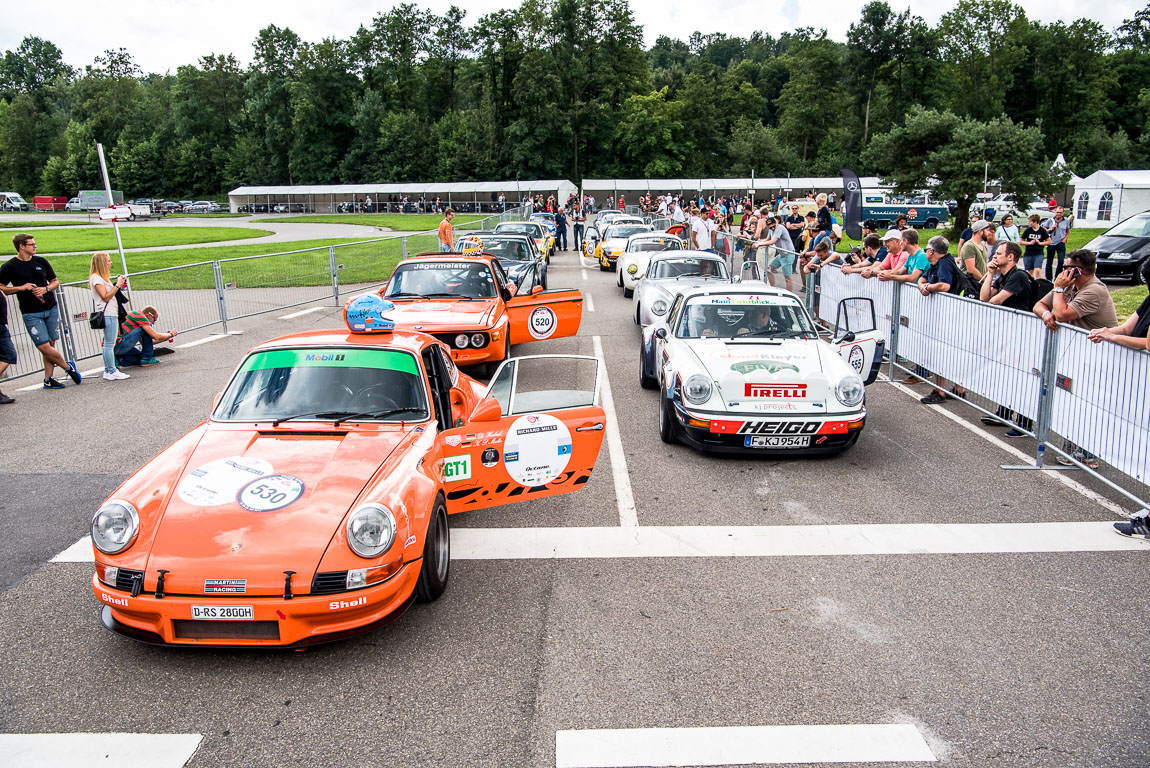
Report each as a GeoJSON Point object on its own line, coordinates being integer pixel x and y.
{"type": "Point", "coordinates": [763, 185]}
{"type": "Point", "coordinates": [1105, 198]}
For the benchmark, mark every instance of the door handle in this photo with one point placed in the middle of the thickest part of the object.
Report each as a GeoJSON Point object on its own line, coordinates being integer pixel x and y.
{"type": "Point", "coordinates": [596, 428]}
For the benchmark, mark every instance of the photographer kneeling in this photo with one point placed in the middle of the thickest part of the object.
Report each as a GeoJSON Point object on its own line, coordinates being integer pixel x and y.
{"type": "Point", "coordinates": [137, 338]}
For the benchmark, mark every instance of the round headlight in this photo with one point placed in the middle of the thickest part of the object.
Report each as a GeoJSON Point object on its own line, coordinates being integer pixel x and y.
{"type": "Point", "coordinates": [114, 526]}
{"type": "Point", "coordinates": [660, 306]}
{"type": "Point", "coordinates": [370, 530]}
{"type": "Point", "coordinates": [697, 390]}
{"type": "Point", "coordinates": [478, 340]}
{"type": "Point", "coordinates": [850, 390]}
{"type": "Point", "coordinates": [461, 341]}
{"type": "Point", "coordinates": [633, 269]}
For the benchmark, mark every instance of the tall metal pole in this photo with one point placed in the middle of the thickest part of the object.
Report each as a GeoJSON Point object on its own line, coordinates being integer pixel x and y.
{"type": "Point", "coordinates": [111, 202]}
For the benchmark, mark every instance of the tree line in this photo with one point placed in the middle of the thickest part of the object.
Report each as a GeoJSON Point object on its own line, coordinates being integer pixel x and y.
{"type": "Point", "coordinates": [566, 89]}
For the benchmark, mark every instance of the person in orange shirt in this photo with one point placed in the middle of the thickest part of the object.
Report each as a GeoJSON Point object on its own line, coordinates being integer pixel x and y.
{"type": "Point", "coordinates": [446, 236]}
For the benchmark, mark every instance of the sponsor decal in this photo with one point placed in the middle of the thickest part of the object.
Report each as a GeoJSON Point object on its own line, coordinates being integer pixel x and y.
{"type": "Point", "coordinates": [774, 391]}
{"type": "Point", "coordinates": [490, 457]}
{"type": "Point", "coordinates": [855, 358]}
{"type": "Point", "coordinates": [542, 322]}
{"type": "Point", "coordinates": [456, 468]}
{"type": "Point", "coordinates": [225, 586]}
{"type": "Point", "coordinates": [120, 601]}
{"type": "Point", "coordinates": [219, 481]}
{"type": "Point", "coordinates": [336, 605]}
{"type": "Point", "coordinates": [409, 542]}
{"type": "Point", "coordinates": [439, 265]}
{"type": "Point", "coordinates": [780, 427]}
{"type": "Point", "coordinates": [453, 440]}
{"type": "Point", "coordinates": [539, 451]}
{"type": "Point", "coordinates": [270, 493]}
{"type": "Point", "coordinates": [747, 367]}
{"type": "Point", "coordinates": [323, 358]}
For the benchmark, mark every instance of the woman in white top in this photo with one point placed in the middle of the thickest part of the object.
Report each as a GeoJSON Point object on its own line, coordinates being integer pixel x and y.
{"type": "Point", "coordinates": [104, 299]}
{"type": "Point", "coordinates": [1007, 231]}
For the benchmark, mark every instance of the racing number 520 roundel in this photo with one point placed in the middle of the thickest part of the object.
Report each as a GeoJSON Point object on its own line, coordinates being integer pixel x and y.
{"type": "Point", "coordinates": [542, 322]}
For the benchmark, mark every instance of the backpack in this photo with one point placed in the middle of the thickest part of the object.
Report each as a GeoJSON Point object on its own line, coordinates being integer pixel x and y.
{"type": "Point", "coordinates": [1038, 289]}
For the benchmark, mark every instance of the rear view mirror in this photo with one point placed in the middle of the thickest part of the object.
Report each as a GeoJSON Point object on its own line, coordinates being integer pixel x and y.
{"type": "Point", "coordinates": [488, 409]}
{"type": "Point", "coordinates": [661, 333]}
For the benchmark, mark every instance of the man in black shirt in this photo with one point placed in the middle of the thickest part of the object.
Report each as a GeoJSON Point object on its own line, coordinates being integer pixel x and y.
{"type": "Point", "coordinates": [560, 230]}
{"type": "Point", "coordinates": [1006, 284]}
{"type": "Point", "coordinates": [794, 224]}
{"type": "Point", "coordinates": [1034, 237]}
{"type": "Point", "coordinates": [32, 279]}
{"type": "Point", "coordinates": [7, 348]}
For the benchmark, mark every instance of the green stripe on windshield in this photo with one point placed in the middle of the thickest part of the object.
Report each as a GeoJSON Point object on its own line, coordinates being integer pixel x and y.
{"type": "Point", "coordinates": [384, 359]}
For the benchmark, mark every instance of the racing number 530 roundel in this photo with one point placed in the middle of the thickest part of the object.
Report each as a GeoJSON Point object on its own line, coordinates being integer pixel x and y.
{"type": "Point", "coordinates": [542, 322]}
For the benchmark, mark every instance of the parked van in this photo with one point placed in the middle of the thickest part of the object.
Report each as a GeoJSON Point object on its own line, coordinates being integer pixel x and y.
{"type": "Point", "coordinates": [10, 201]}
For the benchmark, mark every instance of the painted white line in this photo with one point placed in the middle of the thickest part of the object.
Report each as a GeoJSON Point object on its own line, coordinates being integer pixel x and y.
{"type": "Point", "coordinates": [759, 745]}
{"type": "Point", "coordinates": [92, 372]}
{"type": "Point", "coordinates": [587, 300]}
{"type": "Point", "coordinates": [80, 552]}
{"type": "Point", "coordinates": [302, 312]}
{"type": "Point", "coordinates": [83, 750]}
{"type": "Point", "coordinates": [628, 516]}
{"type": "Point", "coordinates": [1074, 485]}
{"type": "Point", "coordinates": [206, 339]}
{"type": "Point", "coordinates": [584, 274]}
{"type": "Point", "coordinates": [787, 540]}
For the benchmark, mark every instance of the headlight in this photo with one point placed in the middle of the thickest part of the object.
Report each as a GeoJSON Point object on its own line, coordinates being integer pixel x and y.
{"type": "Point", "coordinates": [114, 526]}
{"type": "Point", "coordinates": [370, 530]}
{"type": "Point", "coordinates": [850, 390]}
{"type": "Point", "coordinates": [633, 269]}
{"type": "Point", "coordinates": [461, 341]}
{"type": "Point", "coordinates": [1120, 256]}
{"type": "Point", "coordinates": [660, 306]}
{"type": "Point", "coordinates": [697, 390]}
{"type": "Point", "coordinates": [478, 340]}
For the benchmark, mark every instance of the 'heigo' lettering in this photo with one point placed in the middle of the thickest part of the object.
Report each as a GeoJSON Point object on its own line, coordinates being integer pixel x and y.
{"type": "Point", "coordinates": [780, 427]}
{"type": "Point", "coordinates": [776, 391]}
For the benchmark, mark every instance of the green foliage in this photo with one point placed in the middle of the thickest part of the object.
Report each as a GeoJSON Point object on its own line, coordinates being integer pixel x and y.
{"type": "Point", "coordinates": [648, 135]}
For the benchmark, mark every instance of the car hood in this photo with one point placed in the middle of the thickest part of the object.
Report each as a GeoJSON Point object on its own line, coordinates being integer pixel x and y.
{"type": "Point", "coordinates": [443, 314]}
{"type": "Point", "coordinates": [1104, 245]}
{"type": "Point", "coordinates": [515, 267]}
{"type": "Point", "coordinates": [615, 244]}
{"type": "Point", "coordinates": [760, 376]}
{"type": "Point", "coordinates": [206, 534]}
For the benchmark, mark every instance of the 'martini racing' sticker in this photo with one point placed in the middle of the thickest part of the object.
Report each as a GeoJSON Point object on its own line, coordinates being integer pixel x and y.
{"type": "Point", "coordinates": [219, 481]}
{"type": "Point", "coordinates": [537, 450]}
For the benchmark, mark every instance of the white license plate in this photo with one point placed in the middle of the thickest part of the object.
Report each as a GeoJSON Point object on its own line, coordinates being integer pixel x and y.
{"type": "Point", "coordinates": [767, 441]}
{"type": "Point", "coordinates": [223, 612]}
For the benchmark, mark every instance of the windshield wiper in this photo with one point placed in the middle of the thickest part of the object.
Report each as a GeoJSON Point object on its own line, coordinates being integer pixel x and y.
{"type": "Point", "coordinates": [779, 334]}
{"type": "Point", "coordinates": [373, 415]}
{"type": "Point", "coordinates": [402, 294]}
{"type": "Point", "coordinates": [441, 295]}
{"type": "Point", "coordinates": [313, 415]}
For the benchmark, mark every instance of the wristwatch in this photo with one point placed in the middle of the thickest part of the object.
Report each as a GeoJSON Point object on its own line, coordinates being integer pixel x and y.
{"type": "Point", "coordinates": [1060, 290]}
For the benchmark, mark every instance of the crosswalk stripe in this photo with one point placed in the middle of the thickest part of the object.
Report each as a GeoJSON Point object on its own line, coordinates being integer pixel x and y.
{"type": "Point", "coordinates": [87, 750]}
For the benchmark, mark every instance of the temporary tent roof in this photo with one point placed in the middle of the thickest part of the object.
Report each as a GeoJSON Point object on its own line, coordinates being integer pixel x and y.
{"type": "Point", "coordinates": [325, 196]}
{"type": "Point", "coordinates": [1104, 198]}
{"type": "Point", "coordinates": [761, 184]}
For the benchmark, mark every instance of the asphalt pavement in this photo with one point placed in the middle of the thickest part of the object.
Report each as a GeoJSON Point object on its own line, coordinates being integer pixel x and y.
{"type": "Point", "coordinates": [998, 658]}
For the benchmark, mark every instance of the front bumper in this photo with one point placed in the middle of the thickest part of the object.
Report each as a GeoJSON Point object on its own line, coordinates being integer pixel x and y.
{"type": "Point", "coordinates": [1125, 269]}
{"type": "Point", "coordinates": [276, 623]}
{"type": "Point", "coordinates": [727, 433]}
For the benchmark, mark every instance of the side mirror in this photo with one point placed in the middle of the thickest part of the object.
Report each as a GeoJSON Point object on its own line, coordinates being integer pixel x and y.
{"type": "Point", "coordinates": [488, 409]}
{"type": "Point", "coordinates": [537, 289]}
{"type": "Point", "coordinates": [848, 337]}
{"type": "Point", "coordinates": [661, 333]}
{"type": "Point", "coordinates": [737, 279]}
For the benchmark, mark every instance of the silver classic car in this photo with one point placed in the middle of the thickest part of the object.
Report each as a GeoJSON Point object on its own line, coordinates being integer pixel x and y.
{"type": "Point", "coordinates": [670, 272]}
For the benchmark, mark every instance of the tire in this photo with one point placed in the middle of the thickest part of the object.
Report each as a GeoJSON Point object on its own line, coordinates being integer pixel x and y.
{"type": "Point", "coordinates": [645, 381]}
{"type": "Point", "coordinates": [543, 281]}
{"type": "Point", "coordinates": [435, 567]}
{"type": "Point", "coordinates": [628, 292]}
{"type": "Point", "coordinates": [1138, 277]}
{"type": "Point", "coordinates": [637, 314]}
{"type": "Point", "coordinates": [131, 217]}
{"type": "Point", "coordinates": [619, 282]}
{"type": "Point", "coordinates": [667, 431]}
{"type": "Point", "coordinates": [490, 367]}
{"type": "Point", "coordinates": [931, 224]}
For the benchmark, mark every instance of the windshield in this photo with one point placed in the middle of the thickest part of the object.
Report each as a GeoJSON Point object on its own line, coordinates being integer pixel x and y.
{"type": "Point", "coordinates": [325, 384]}
{"type": "Point", "coordinates": [523, 227]}
{"type": "Point", "coordinates": [441, 279]}
{"type": "Point", "coordinates": [743, 315]}
{"type": "Point", "coordinates": [689, 267]}
{"type": "Point", "coordinates": [1138, 226]}
{"type": "Point", "coordinates": [511, 249]}
{"type": "Point", "coordinates": [662, 244]}
{"type": "Point", "coordinates": [625, 230]}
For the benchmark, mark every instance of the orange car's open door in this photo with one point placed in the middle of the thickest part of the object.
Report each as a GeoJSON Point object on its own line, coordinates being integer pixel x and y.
{"type": "Point", "coordinates": [536, 433]}
{"type": "Point", "coordinates": [549, 314]}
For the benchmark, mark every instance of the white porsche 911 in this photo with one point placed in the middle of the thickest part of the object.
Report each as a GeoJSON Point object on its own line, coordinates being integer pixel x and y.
{"type": "Point", "coordinates": [740, 368]}
{"type": "Point", "coordinates": [632, 263]}
{"type": "Point", "coordinates": [671, 272]}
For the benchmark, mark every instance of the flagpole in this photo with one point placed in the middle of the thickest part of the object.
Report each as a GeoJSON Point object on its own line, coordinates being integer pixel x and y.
{"type": "Point", "coordinates": [111, 203]}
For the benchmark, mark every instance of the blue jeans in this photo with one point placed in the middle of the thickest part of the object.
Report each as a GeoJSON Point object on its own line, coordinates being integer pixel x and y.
{"type": "Point", "coordinates": [1053, 251]}
{"type": "Point", "coordinates": [108, 349]}
{"type": "Point", "coordinates": [561, 238]}
{"type": "Point", "coordinates": [444, 247]}
{"type": "Point", "coordinates": [126, 351]}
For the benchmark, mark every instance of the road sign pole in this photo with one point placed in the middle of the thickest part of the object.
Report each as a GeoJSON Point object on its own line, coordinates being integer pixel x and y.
{"type": "Point", "coordinates": [111, 202]}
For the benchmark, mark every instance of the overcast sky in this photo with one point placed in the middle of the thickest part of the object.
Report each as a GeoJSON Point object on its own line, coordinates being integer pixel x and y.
{"type": "Point", "coordinates": [163, 34]}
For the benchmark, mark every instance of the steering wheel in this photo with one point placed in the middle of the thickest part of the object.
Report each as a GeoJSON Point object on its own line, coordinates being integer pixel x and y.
{"type": "Point", "coordinates": [376, 395]}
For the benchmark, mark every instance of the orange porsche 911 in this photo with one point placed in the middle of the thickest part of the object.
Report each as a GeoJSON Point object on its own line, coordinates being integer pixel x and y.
{"type": "Point", "coordinates": [313, 504]}
{"type": "Point", "coordinates": [467, 302]}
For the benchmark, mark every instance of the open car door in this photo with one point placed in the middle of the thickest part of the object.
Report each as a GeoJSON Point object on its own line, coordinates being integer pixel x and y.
{"type": "Point", "coordinates": [549, 314]}
{"type": "Point", "coordinates": [857, 337]}
{"type": "Point", "coordinates": [536, 433]}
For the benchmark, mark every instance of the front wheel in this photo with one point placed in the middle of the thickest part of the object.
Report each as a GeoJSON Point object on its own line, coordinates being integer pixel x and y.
{"type": "Point", "coordinates": [1139, 276]}
{"type": "Point", "coordinates": [628, 292]}
{"type": "Point", "coordinates": [932, 224]}
{"type": "Point", "coordinates": [434, 569]}
{"type": "Point", "coordinates": [619, 282]}
{"type": "Point", "coordinates": [666, 421]}
{"type": "Point", "coordinates": [645, 381]}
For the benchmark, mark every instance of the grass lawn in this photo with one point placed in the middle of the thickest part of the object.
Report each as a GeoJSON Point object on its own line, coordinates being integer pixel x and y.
{"type": "Point", "coordinates": [50, 241]}
{"type": "Point", "coordinates": [361, 263]}
{"type": "Point", "coordinates": [408, 222]}
{"type": "Point", "coordinates": [42, 223]}
{"type": "Point", "coordinates": [1126, 300]}
{"type": "Point", "coordinates": [207, 215]}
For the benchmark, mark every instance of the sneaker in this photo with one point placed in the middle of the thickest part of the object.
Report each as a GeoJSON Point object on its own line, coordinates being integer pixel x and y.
{"type": "Point", "coordinates": [149, 361]}
{"type": "Point", "coordinates": [1081, 457]}
{"type": "Point", "coordinates": [934, 398]}
{"type": "Point", "coordinates": [5, 400]}
{"type": "Point", "coordinates": [73, 374]}
{"type": "Point", "coordinates": [991, 421]}
{"type": "Point", "coordinates": [1136, 527]}
{"type": "Point", "coordinates": [116, 376]}
{"type": "Point", "coordinates": [50, 383]}
{"type": "Point", "coordinates": [1014, 432]}
{"type": "Point", "coordinates": [911, 380]}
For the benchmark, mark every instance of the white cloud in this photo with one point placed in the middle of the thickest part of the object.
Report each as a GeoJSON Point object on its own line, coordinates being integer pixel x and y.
{"type": "Point", "coordinates": [163, 34]}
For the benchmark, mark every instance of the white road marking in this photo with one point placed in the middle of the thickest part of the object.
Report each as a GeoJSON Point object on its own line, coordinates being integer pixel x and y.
{"type": "Point", "coordinates": [634, 541]}
{"type": "Point", "coordinates": [759, 745]}
{"type": "Point", "coordinates": [589, 302]}
{"type": "Point", "coordinates": [628, 516]}
{"type": "Point", "coordinates": [302, 312]}
{"type": "Point", "coordinates": [1074, 485]}
{"type": "Point", "coordinates": [206, 339]}
{"type": "Point", "coordinates": [84, 750]}
{"type": "Point", "coordinates": [584, 273]}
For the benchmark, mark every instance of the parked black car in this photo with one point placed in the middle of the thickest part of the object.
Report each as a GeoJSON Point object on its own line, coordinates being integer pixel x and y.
{"type": "Point", "coordinates": [1124, 250]}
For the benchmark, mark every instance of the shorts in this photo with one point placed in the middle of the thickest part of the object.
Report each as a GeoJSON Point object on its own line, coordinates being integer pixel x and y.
{"type": "Point", "coordinates": [7, 348]}
{"type": "Point", "coordinates": [1030, 262]}
{"type": "Point", "coordinates": [444, 247]}
{"type": "Point", "coordinates": [785, 262]}
{"type": "Point", "coordinates": [43, 326]}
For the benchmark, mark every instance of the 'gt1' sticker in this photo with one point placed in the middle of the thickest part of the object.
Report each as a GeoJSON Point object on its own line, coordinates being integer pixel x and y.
{"type": "Point", "coordinates": [270, 493]}
{"type": "Point", "coordinates": [537, 450]}
{"type": "Point", "coordinates": [217, 482]}
{"type": "Point", "coordinates": [542, 322]}
{"type": "Point", "coordinates": [456, 468]}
